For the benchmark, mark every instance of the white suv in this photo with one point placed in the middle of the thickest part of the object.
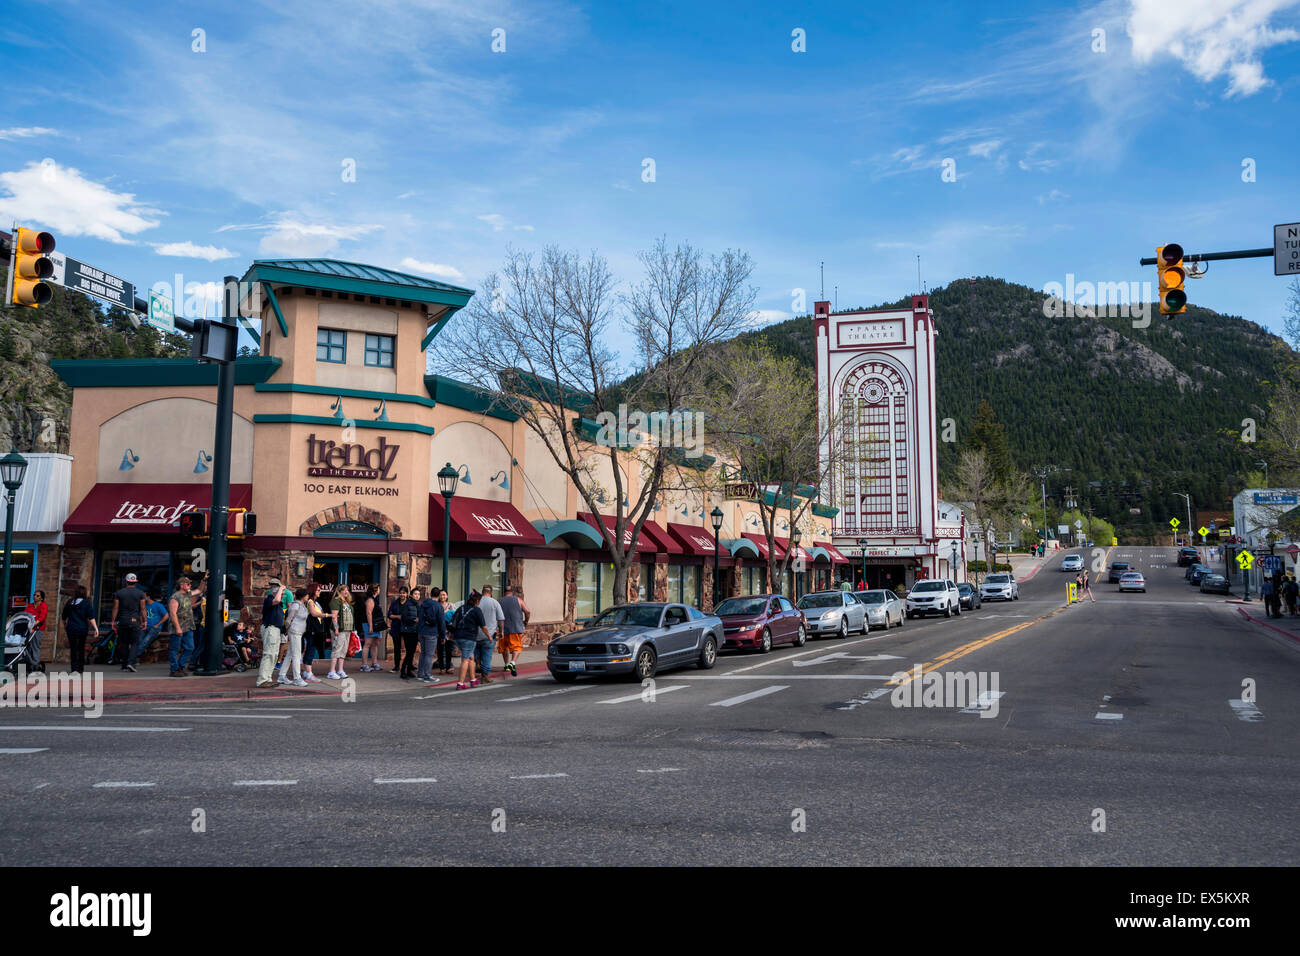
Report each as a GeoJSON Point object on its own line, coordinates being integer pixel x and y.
{"type": "Point", "coordinates": [933, 597]}
{"type": "Point", "coordinates": [1000, 587]}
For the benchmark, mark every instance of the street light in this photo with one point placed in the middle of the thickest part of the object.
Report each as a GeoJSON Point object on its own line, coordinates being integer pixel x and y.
{"type": "Point", "coordinates": [952, 563]}
{"type": "Point", "coordinates": [13, 468]}
{"type": "Point", "coordinates": [715, 516]}
{"type": "Point", "coordinates": [795, 536]}
{"type": "Point", "coordinates": [1188, 499]}
{"type": "Point", "coordinates": [447, 479]}
{"type": "Point", "coordinates": [862, 543]}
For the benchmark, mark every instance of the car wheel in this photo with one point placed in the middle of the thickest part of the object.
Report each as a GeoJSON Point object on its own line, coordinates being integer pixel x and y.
{"type": "Point", "coordinates": [901, 619]}
{"type": "Point", "coordinates": [801, 638]}
{"type": "Point", "coordinates": [957, 609]}
{"type": "Point", "coordinates": [1016, 596]}
{"type": "Point", "coordinates": [947, 610]}
{"type": "Point", "coordinates": [844, 630]}
{"type": "Point", "coordinates": [645, 664]}
{"type": "Point", "coordinates": [709, 652]}
{"type": "Point", "coordinates": [765, 644]}
{"type": "Point", "coordinates": [564, 677]}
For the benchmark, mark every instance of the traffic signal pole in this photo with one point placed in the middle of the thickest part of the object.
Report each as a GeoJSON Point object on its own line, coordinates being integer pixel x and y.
{"type": "Point", "coordinates": [213, 618]}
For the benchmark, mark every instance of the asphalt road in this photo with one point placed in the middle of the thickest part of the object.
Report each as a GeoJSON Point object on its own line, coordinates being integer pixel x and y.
{"type": "Point", "coordinates": [1128, 710]}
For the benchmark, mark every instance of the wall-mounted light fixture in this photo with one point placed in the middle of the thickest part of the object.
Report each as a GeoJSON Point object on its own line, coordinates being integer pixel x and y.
{"type": "Point", "coordinates": [337, 407]}
{"type": "Point", "coordinates": [302, 567]}
{"type": "Point", "coordinates": [401, 568]}
{"type": "Point", "coordinates": [129, 460]}
{"type": "Point", "coordinates": [382, 409]}
{"type": "Point", "coordinates": [464, 477]}
{"type": "Point", "coordinates": [504, 482]}
{"type": "Point", "coordinates": [201, 463]}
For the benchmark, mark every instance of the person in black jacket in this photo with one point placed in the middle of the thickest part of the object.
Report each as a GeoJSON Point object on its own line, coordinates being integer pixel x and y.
{"type": "Point", "coordinates": [432, 630]}
{"type": "Point", "coordinates": [395, 625]}
{"type": "Point", "coordinates": [410, 620]}
{"type": "Point", "coordinates": [78, 624]}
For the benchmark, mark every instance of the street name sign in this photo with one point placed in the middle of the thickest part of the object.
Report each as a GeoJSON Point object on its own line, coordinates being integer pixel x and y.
{"type": "Point", "coordinates": [73, 274]}
{"type": "Point", "coordinates": [1286, 249]}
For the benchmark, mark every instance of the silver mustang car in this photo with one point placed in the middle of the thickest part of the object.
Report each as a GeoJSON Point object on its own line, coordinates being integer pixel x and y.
{"type": "Point", "coordinates": [639, 640]}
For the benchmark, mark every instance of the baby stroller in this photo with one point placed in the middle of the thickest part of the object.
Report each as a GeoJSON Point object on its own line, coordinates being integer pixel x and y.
{"type": "Point", "coordinates": [230, 653]}
{"type": "Point", "coordinates": [21, 637]}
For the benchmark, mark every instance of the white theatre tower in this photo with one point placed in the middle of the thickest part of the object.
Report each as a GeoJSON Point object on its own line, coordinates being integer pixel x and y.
{"type": "Point", "coordinates": [876, 378]}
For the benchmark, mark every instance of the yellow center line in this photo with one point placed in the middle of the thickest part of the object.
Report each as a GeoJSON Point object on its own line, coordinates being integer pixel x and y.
{"type": "Point", "coordinates": [970, 648]}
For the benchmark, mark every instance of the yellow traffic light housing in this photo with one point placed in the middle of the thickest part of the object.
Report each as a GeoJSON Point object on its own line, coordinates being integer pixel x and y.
{"type": "Point", "coordinates": [31, 267]}
{"type": "Point", "coordinates": [1169, 265]}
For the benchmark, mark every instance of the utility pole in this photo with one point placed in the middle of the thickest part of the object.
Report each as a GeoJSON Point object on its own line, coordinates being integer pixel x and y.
{"type": "Point", "coordinates": [1041, 474]}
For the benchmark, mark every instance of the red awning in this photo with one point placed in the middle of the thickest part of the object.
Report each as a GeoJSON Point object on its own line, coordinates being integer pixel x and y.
{"type": "Point", "coordinates": [760, 542]}
{"type": "Point", "coordinates": [836, 557]}
{"type": "Point", "coordinates": [139, 508]}
{"type": "Point", "coordinates": [784, 544]}
{"type": "Point", "coordinates": [482, 520]}
{"type": "Point", "coordinates": [694, 540]}
{"type": "Point", "coordinates": [651, 539]}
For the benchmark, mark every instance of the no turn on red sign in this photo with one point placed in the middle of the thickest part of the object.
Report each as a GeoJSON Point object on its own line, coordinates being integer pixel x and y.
{"type": "Point", "coordinates": [1286, 249]}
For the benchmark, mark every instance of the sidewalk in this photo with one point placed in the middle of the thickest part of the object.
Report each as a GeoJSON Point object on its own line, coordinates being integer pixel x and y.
{"type": "Point", "coordinates": [1286, 625]}
{"type": "Point", "coordinates": [1025, 567]}
{"type": "Point", "coordinates": [152, 682]}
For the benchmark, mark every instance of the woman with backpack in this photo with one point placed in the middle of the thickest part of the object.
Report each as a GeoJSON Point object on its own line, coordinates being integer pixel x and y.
{"type": "Point", "coordinates": [470, 627]}
{"type": "Point", "coordinates": [295, 626]}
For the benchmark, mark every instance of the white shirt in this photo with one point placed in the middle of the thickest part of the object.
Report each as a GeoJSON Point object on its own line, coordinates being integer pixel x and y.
{"type": "Point", "coordinates": [492, 613]}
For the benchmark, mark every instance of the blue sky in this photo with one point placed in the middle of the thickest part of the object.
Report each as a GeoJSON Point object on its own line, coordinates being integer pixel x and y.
{"type": "Point", "coordinates": [148, 158]}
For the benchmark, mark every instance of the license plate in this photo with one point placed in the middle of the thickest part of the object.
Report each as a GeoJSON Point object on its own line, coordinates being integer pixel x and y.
{"type": "Point", "coordinates": [577, 665]}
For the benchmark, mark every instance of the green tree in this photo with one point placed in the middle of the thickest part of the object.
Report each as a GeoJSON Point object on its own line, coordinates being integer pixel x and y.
{"type": "Point", "coordinates": [989, 436]}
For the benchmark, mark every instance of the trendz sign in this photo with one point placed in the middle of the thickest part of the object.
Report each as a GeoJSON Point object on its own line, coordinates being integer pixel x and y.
{"type": "Point", "coordinates": [325, 459]}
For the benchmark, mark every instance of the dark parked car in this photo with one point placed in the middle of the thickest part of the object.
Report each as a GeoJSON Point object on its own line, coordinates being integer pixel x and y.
{"type": "Point", "coordinates": [760, 621]}
{"type": "Point", "coordinates": [638, 640]}
{"type": "Point", "coordinates": [1117, 569]}
{"type": "Point", "coordinates": [1215, 584]}
{"type": "Point", "coordinates": [1187, 575]}
{"type": "Point", "coordinates": [1199, 572]}
{"type": "Point", "coordinates": [1188, 556]}
{"type": "Point", "coordinates": [970, 598]}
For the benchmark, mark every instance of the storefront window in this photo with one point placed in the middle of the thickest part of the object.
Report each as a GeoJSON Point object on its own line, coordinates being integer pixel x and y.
{"type": "Point", "coordinates": [481, 573]}
{"type": "Point", "coordinates": [21, 576]}
{"type": "Point", "coordinates": [595, 588]}
{"type": "Point", "coordinates": [684, 583]}
{"type": "Point", "coordinates": [674, 582]}
{"type": "Point", "coordinates": [158, 573]}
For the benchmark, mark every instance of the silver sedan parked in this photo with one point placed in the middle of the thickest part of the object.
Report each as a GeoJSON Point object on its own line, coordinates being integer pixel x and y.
{"type": "Point", "coordinates": [884, 608]}
{"type": "Point", "coordinates": [833, 612]}
{"type": "Point", "coordinates": [637, 640]}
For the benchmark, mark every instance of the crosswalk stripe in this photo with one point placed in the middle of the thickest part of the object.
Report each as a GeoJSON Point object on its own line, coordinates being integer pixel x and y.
{"type": "Point", "coordinates": [1246, 710]}
{"type": "Point", "coordinates": [761, 692]}
{"type": "Point", "coordinates": [630, 697]}
{"type": "Point", "coordinates": [22, 750]}
{"type": "Point", "coordinates": [546, 693]}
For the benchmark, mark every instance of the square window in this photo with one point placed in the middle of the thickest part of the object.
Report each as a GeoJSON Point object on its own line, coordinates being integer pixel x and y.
{"type": "Point", "coordinates": [379, 351]}
{"type": "Point", "coordinates": [331, 345]}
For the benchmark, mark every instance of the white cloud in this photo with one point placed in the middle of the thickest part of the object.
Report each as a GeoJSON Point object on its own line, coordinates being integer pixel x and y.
{"type": "Point", "coordinates": [431, 268]}
{"type": "Point", "coordinates": [986, 148]}
{"type": "Point", "coordinates": [768, 316]}
{"type": "Point", "coordinates": [499, 222]}
{"type": "Point", "coordinates": [1054, 196]}
{"type": "Point", "coordinates": [26, 132]}
{"type": "Point", "coordinates": [291, 235]}
{"type": "Point", "coordinates": [63, 200]}
{"type": "Point", "coordinates": [188, 250]}
{"type": "Point", "coordinates": [1211, 37]}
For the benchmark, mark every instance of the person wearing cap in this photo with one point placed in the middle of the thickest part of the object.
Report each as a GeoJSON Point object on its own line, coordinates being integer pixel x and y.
{"type": "Point", "coordinates": [272, 628]}
{"type": "Point", "coordinates": [128, 617]}
{"type": "Point", "coordinates": [181, 611]}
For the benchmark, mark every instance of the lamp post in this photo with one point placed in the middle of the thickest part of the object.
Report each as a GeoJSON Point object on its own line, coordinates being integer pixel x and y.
{"type": "Point", "coordinates": [1188, 499]}
{"type": "Point", "coordinates": [447, 479]}
{"type": "Point", "coordinates": [952, 563]}
{"type": "Point", "coordinates": [715, 517]}
{"type": "Point", "coordinates": [795, 536]}
{"type": "Point", "coordinates": [13, 468]}
{"type": "Point", "coordinates": [862, 543]}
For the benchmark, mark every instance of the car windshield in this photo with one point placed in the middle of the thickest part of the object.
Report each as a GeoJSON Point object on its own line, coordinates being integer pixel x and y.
{"type": "Point", "coordinates": [1215, 577]}
{"type": "Point", "coordinates": [742, 605]}
{"type": "Point", "coordinates": [1130, 576]}
{"type": "Point", "coordinates": [1119, 565]}
{"type": "Point", "coordinates": [964, 588]}
{"type": "Point", "coordinates": [638, 615]}
{"type": "Point", "coordinates": [930, 586]}
{"type": "Point", "coordinates": [819, 600]}
{"type": "Point", "coordinates": [871, 597]}
{"type": "Point", "coordinates": [998, 579]}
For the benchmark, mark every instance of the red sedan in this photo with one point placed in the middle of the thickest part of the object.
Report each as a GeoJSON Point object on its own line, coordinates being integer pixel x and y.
{"type": "Point", "coordinates": [760, 621]}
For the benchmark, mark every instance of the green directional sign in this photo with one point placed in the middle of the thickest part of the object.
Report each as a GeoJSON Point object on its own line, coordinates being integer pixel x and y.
{"type": "Point", "coordinates": [1244, 560]}
{"type": "Point", "coordinates": [1174, 522]}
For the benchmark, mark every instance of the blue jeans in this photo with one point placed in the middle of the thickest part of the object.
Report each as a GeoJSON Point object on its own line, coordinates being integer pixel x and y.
{"type": "Point", "coordinates": [180, 648]}
{"type": "Point", "coordinates": [428, 647]}
{"type": "Point", "coordinates": [483, 655]}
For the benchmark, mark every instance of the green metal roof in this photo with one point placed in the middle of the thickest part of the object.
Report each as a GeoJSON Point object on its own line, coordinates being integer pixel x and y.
{"type": "Point", "coordinates": [448, 391]}
{"type": "Point", "coordinates": [357, 279]}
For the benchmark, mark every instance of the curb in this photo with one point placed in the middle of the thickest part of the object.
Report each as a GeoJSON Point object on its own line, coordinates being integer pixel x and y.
{"type": "Point", "coordinates": [1272, 627]}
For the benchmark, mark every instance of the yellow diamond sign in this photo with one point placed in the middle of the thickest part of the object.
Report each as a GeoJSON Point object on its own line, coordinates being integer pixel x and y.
{"type": "Point", "coordinates": [1174, 522]}
{"type": "Point", "coordinates": [1202, 531]}
{"type": "Point", "coordinates": [1244, 560]}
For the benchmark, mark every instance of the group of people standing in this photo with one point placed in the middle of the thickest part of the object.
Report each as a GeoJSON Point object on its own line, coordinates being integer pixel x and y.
{"type": "Point", "coordinates": [1276, 590]}
{"type": "Point", "coordinates": [426, 632]}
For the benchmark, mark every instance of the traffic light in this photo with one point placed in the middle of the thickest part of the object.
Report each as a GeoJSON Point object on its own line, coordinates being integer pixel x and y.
{"type": "Point", "coordinates": [243, 523]}
{"type": "Point", "coordinates": [1169, 262]}
{"type": "Point", "coordinates": [194, 523]}
{"type": "Point", "coordinates": [31, 266]}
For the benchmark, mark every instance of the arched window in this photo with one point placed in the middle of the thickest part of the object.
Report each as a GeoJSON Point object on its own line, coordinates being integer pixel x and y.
{"type": "Point", "coordinates": [875, 475]}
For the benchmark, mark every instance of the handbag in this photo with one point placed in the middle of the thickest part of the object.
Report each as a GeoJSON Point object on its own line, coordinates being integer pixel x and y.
{"type": "Point", "coordinates": [354, 645]}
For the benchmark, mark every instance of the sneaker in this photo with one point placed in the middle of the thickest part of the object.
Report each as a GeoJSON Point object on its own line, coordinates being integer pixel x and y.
{"type": "Point", "coordinates": [131, 668]}
{"type": "Point", "coordinates": [341, 675]}
{"type": "Point", "coordinates": [299, 682]}
{"type": "Point", "coordinates": [474, 682]}
{"type": "Point", "coordinates": [331, 676]}
{"type": "Point", "coordinates": [311, 678]}
{"type": "Point", "coordinates": [265, 683]}
{"type": "Point", "coordinates": [462, 686]}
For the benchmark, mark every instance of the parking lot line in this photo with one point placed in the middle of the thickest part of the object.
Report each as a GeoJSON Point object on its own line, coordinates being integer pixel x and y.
{"type": "Point", "coordinates": [762, 692]}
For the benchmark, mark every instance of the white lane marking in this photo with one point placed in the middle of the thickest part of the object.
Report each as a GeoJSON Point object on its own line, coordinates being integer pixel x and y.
{"type": "Point", "coordinates": [662, 770]}
{"type": "Point", "coordinates": [857, 702]}
{"type": "Point", "coordinates": [264, 783]}
{"type": "Point", "coordinates": [291, 710]}
{"type": "Point", "coordinates": [1102, 715]}
{"type": "Point", "coordinates": [546, 693]}
{"type": "Point", "coordinates": [815, 650]}
{"type": "Point", "coordinates": [845, 656]}
{"type": "Point", "coordinates": [1247, 711]}
{"type": "Point", "coordinates": [540, 776]}
{"type": "Point", "coordinates": [191, 714]}
{"type": "Point", "coordinates": [786, 677]}
{"type": "Point", "coordinates": [40, 786]}
{"type": "Point", "coordinates": [123, 783]}
{"type": "Point", "coordinates": [468, 690]}
{"type": "Point", "coordinates": [382, 780]}
{"type": "Point", "coordinates": [984, 702]}
{"type": "Point", "coordinates": [660, 690]}
{"type": "Point", "coordinates": [761, 692]}
{"type": "Point", "coordinates": [22, 750]}
{"type": "Point", "coordinates": [93, 727]}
